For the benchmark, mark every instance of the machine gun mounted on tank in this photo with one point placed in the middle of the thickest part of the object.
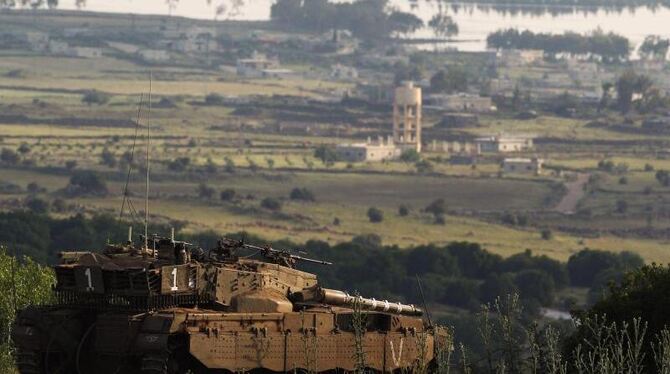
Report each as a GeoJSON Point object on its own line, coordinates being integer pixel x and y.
{"type": "Point", "coordinates": [226, 251]}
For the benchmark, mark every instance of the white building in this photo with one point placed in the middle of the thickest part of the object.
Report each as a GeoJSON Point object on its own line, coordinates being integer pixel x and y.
{"type": "Point", "coordinates": [256, 65]}
{"type": "Point", "coordinates": [503, 144]}
{"type": "Point", "coordinates": [520, 57]}
{"type": "Point", "coordinates": [369, 151]}
{"type": "Point", "coordinates": [154, 55]}
{"type": "Point", "coordinates": [462, 102]}
{"type": "Point", "coordinates": [522, 166]}
{"type": "Point", "coordinates": [84, 52]}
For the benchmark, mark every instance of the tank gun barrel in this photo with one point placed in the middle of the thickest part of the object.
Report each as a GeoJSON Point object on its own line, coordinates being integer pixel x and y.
{"type": "Point", "coordinates": [340, 298]}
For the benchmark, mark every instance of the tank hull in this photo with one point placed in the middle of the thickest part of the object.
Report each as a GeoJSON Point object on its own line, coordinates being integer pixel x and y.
{"type": "Point", "coordinates": [58, 340]}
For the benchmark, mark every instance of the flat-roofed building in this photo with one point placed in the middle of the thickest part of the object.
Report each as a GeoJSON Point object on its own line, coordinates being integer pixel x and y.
{"type": "Point", "coordinates": [369, 151]}
{"type": "Point", "coordinates": [256, 65]}
{"type": "Point", "coordinates": [504, 143]}
{"type": "Point", "coordinates": [154, 55]}
{"type": "Point", "coordinates": [522, 166]}
{"type": "Point", "coordinates": [461, 102]}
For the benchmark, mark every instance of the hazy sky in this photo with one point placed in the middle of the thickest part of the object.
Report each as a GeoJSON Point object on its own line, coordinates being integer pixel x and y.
{"type": "Point", "coordinates": [254, 9]}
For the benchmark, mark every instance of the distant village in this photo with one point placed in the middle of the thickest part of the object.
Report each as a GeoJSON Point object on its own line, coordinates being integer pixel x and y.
{"type": "Point", "coordinates": [420, 117]}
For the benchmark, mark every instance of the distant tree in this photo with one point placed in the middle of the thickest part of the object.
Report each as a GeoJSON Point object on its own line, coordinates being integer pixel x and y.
{"type": "Point", "coordinates": [24, 149]}
{"type": "Point", "coordinates": [271, 203]}
{"type": "Point", "coordinates": [628, 85]}
{"type": "Point", "coordinates": [546, 234]}
{"type": "Point", "coordinates": [336, 221]}
{"type": "Point", "coordinates": [9, 157]}
{"type": "Point", "coordinates": [584, 266]}
{"type": "Point", "coordinates": [375, 215]}
{"type": "Point", "coordinates": [424, 166]}
{"type": "Point", "coordinates": [205, 191]}
{"type": "Point", "coordinates": [37, 205]}
{"type": "Point", "coordinates": [71, 164]}
{"type": "Point", "coordinates": [96, 97]}
{"type": "Point", "coordinates": [179, 164]}
{"type": "Point", "coordinates": [302, 194]}
{"type": "Point", "coordinates": [443, 26]}
{"type": "Point", "coordinates": [437, 207]}
{"type": "Point", "coordinates": [440, 219]}
{"type": "Point", "coordinates": [536, 284]}
{"type": "Point", "coordinates": [367, 241]}
{"type": "Point", "coordinates": [108, 158]}
{"type": "Point", "coordinates": [405, 72]}
{"type": "Point", "coordinates": [228, 194]}
{"type": "Point", "coordinates": [606, 96]}
{"type": "Point", "coordinates": [214, 99]}
{"type": "Point", "coordinates": [326, 154]}
{"type": "Point", "coordinates": [410, 156]}
{"type": "Point", "coordinates": [648, 167]}
{"type": "Point", "coordinates": [86, 183]}
{"type": "Point", "coordinates": [404, 23]}
{"type": "Point", "coordinates": [229, 166]}
{"type": "Point", "coordinates": [270, 162]}
{"type": "Point", "coordinates": [654, 47]}
{"type": "Point", "coordinates": [663, 177]}
{"type": "Point", "coordinates": [403, 211]}
{"type": "Point", "coordinates": [497, 285]}
{"type": "Point", "coordinates": [34, 188]}
{"type": "Point", "coordinates": [454, 79]}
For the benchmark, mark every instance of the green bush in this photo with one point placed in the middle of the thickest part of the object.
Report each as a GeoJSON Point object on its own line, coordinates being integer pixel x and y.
{"type": "Point", "coordinates": [302, 194]}
{"type": "Point", "coordinates": [96, 97]}
{"type": "Point", "coordinates": [271, 203]}
{"type": "Point", "coordinates": [228, 194]}
{"type": "Point", "coordinates": [375, 215]}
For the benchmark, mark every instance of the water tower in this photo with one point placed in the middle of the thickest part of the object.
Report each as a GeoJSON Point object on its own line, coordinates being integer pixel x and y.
{"type": "Point", "coordinates": [407, 117]}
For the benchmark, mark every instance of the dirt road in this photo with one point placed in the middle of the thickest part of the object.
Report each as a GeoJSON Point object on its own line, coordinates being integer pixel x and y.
{"type": "Point", "coordinates": [568, 205]}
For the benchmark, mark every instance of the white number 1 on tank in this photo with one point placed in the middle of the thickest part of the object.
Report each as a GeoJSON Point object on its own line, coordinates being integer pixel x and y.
{"type": "Point", "coordinates": [174, 280]}
{"type": "Point", "coordinates": [88, 278]}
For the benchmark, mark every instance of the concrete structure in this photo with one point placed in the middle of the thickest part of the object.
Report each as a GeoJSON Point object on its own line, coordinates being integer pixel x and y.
{"type": "Point", "coordinates": [84, 52]}
{"type": "Point", "coordinates": [504, 143]}
{"type": "Point", "coordinates": [522, 165]}
{"type": "Point", "coordinates": [342, 72]}
{"type": "Point", "coordinates": [254, 66]}
{"type": "Point", "coordinates": [520, 57]}
{"type": "Point", "coordinates": [407, 107]}
{"type": "Point", "coordinates": [462, 102]}
{"type": "Point", "coordinates": [153, 55]}
{"type": "Point", "coordinates": [369, 151]}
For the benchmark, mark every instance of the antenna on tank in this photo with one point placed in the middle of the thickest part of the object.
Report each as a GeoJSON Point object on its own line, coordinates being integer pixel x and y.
{"type": "Point", "coordinates": [146, 197]}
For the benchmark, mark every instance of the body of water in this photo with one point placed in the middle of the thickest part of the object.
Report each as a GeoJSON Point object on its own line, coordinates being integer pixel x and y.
{"type": "Point", "coordinates": [475, 23]}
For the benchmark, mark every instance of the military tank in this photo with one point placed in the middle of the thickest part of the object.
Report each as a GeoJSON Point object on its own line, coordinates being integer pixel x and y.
{"type": "Point", "coordinates": [167, 306]}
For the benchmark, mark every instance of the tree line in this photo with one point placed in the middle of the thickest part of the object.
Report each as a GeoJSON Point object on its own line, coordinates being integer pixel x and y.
{"type": "Point", "coordinates": [608, 47]}
{"type": "Point", "coordinates": [367, 19]}
{"type": "Point", "coordinates": [460, 274]}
